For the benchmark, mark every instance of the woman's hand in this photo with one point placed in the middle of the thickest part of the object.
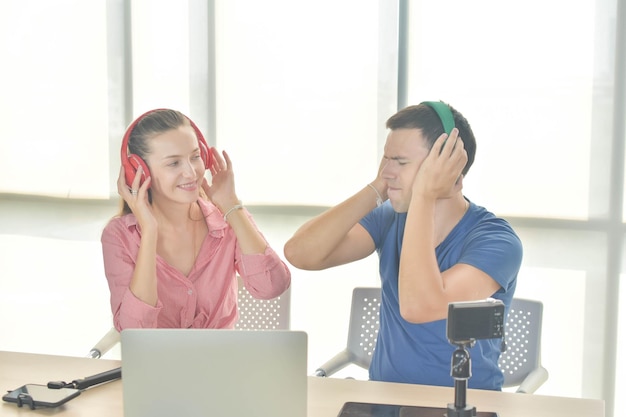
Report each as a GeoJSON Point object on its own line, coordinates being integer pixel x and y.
{"type": "Point", "coordinates": [137, 198]}
{"type": "Point", "coordinates": [221, 192]}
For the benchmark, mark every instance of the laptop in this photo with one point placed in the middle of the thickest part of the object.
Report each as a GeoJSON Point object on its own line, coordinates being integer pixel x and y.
{"type": "Point", "coordinates": [210, 372]}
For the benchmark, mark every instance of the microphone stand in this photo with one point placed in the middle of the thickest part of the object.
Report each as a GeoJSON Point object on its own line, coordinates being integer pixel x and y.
{"type": "Point", "coordinates": [461, 371]}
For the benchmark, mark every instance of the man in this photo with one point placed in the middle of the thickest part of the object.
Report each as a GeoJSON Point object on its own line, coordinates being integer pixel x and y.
{"type": "Point", "coordinates": [435, 247]}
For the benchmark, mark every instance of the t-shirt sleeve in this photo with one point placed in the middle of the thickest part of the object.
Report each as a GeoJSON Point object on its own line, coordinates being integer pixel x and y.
{"type": "Point", "coordinates": [495, 249]}
{"type": "Point", "coordinates": [374, 222]}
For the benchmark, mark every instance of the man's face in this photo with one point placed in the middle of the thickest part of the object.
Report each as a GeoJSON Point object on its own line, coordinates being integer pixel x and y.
{"type": "Point", "coordinates": [405, 150]}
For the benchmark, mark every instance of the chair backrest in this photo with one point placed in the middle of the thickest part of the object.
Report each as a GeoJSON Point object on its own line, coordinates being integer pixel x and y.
{"type": "Point", "coordinates": [272, 314]}
{"type": "Point", "coordinates": [522, 334]}
{"type": "Point", "coordinates": [523, 341]}
{"type": "Point", "coordinates": [364, 323]}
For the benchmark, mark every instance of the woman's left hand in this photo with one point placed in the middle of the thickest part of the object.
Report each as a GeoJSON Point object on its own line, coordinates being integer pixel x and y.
{"type": "Point", "coordinates": [221, 192]}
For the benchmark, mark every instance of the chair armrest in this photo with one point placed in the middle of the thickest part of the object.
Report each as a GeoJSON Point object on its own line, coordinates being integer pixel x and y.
{"type": "Point", "coordinates": [533, 381]}
{"type": "Point", "coordinates": [335, 364]}
{"type": "Point", "coordinates": [110, 339]}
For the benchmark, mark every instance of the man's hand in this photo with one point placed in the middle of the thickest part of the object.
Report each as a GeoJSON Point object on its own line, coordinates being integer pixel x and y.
{"type": "Point", "coordinates": [379, 183]}
{"type": "Point", "coordinates": [440, 176]}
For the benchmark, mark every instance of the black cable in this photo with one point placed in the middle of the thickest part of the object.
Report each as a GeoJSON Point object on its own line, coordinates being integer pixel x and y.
{"type": "Point", "coordinates": [89, 381]}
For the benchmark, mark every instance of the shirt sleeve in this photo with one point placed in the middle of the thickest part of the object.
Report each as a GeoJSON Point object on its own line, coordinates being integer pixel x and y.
{"type": "Point", "coordinates": [119, 249]}
{"type": "Point", "coordinates": [265, 275]}
{"type": "Point", "coordinates": [495, 249]}
{"type": "Point", "coordinates": [377, 222]}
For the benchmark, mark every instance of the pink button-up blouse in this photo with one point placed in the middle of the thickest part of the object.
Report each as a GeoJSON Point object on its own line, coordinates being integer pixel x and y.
{"type": "Point", "coordinates": [207, 297]}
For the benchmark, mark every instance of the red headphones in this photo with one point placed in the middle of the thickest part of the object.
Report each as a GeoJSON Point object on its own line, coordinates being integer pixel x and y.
{"type": "Point", "coordinates": [132, 162]}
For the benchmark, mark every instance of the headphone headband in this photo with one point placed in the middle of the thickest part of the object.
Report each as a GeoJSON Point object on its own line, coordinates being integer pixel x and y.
{"type": "Point", "coordinates": [444, 113]}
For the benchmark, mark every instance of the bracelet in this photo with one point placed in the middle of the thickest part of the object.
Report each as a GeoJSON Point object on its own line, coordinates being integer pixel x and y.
{"type": "Point", "coordinates": [379, 199]}
{"type": "Point", "coordinates": [233, 208]}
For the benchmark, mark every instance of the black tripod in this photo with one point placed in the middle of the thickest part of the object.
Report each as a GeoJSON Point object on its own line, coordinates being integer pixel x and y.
{"type": "Point", "coordinates": [461, 371]}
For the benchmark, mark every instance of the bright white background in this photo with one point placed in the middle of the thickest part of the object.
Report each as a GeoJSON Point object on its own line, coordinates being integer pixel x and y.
{"type": "Point", "coordinates": [301, 93]}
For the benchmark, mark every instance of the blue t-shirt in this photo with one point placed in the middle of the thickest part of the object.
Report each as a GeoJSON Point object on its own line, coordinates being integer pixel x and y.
{"type": "Point", "coordinates": [420, 353]}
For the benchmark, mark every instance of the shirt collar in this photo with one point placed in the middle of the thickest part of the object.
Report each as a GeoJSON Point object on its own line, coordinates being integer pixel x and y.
{"type": "Point", "coordinates": [213, 217]}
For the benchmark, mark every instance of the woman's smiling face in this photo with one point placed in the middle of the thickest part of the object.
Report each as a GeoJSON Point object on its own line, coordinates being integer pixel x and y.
{"type": "Point", "coordinates": [176, 166]}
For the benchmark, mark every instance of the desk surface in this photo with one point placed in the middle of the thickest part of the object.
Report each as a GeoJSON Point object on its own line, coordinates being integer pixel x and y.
{"type": "Point", "coordinates": [326, 395]}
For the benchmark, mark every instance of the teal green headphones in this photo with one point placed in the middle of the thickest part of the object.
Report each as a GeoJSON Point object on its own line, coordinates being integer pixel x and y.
{"type": "Point", "coordinates": [444, 113]}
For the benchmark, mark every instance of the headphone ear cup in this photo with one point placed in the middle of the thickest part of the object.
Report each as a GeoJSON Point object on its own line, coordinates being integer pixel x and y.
{"type": "Point", "coordinates": [131, 167]}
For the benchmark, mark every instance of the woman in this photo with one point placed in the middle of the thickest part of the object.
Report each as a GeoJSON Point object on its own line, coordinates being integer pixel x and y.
{"type": "Point", "coordinates": [171, 256]}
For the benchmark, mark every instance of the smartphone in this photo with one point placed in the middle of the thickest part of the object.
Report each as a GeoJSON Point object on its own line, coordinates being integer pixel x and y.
{"type": "Point", "coordinates": [35, 395]}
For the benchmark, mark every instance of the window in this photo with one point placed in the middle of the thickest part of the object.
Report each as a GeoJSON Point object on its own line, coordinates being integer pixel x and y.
{"type": "Point", "coordinates": [54, 99]}
{"type": "Point", "coordinates": [297, 97]}
{"type": "Point", "coordinates": [539, 96]}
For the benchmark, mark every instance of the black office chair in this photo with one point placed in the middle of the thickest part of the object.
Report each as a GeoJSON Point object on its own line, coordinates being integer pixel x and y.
{"type": "Point", "coordinates": [254, 314]}
{"type": "Point", "coordinates": [520, 364]}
